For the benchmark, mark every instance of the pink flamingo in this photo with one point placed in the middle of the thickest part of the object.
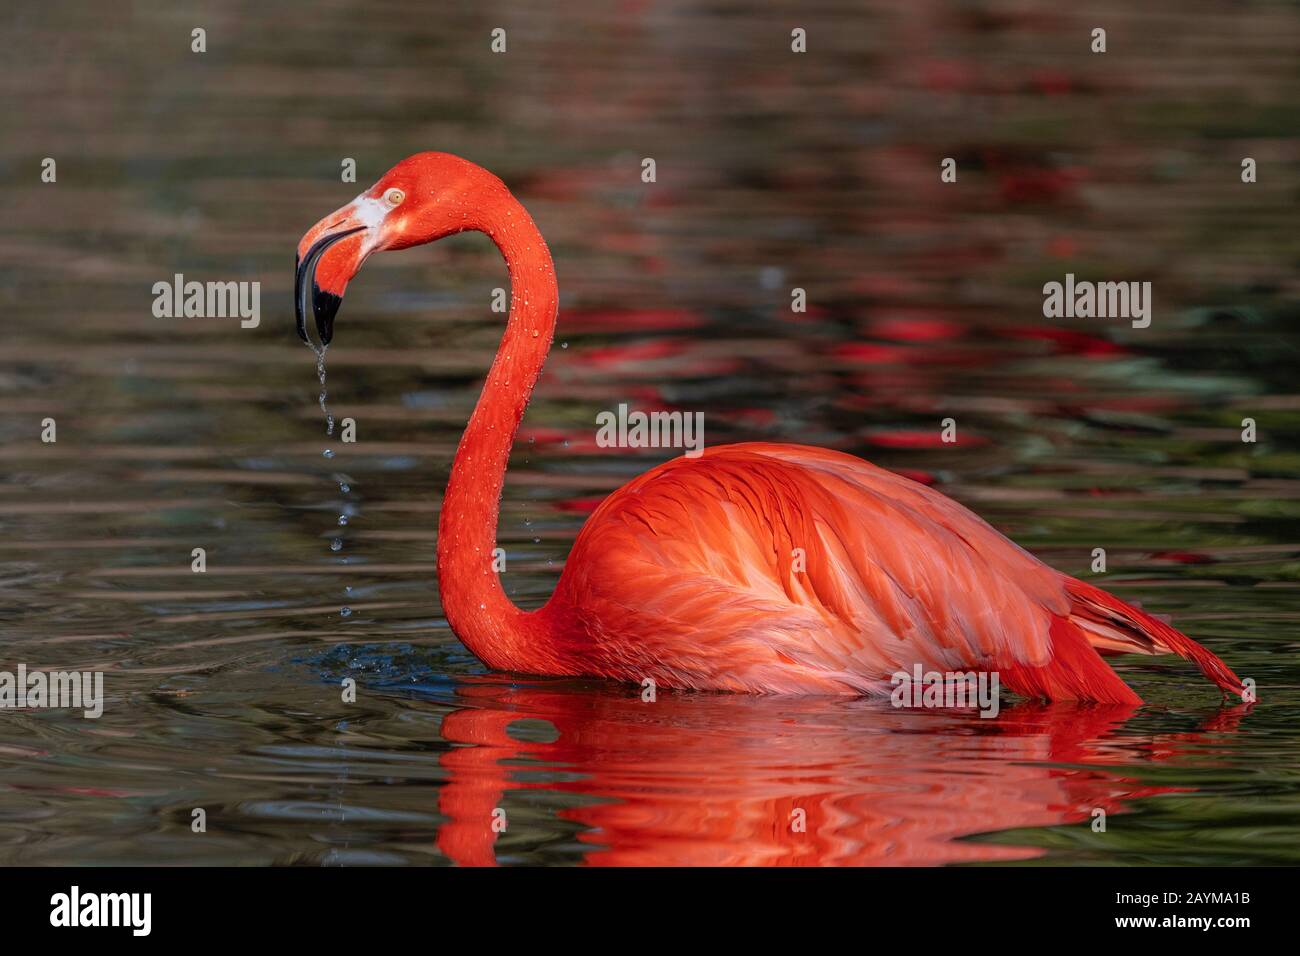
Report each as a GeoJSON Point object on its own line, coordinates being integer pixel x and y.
{"type": "Point", "coordinates": [755, 567]}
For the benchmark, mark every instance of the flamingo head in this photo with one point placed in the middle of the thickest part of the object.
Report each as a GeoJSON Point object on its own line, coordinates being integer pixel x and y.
{"type": "Point", "coordinates": [421, 199]}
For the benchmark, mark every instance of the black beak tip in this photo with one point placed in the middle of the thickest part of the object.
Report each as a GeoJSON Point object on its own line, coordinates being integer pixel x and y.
{"type": "Point", "coordinates": [325, 305]}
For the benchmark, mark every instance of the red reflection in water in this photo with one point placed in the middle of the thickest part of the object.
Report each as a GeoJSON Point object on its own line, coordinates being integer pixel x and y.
{"type": "Point", "coordinates": [1070, 342]}
{"type": "Point", "coordinates": [718, 780]}
{"type": "Point", "coordinates": [905, 438]}
{"type": "Point", "coordinates": [623, 321]}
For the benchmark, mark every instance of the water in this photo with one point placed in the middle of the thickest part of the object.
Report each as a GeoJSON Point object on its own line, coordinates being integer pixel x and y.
{"type": "Point", "coordinates": [225, 689]}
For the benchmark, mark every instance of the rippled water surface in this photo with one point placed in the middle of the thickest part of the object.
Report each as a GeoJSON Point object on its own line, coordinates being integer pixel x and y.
{"type": "Point", "coordinates": [775, 171]}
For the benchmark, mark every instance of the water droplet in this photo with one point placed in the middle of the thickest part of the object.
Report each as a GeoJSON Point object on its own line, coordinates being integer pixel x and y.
{"type": "Point", "coordinates": [564, 345]}
{"type": "Point", "coordinates": [344, 487]}
{"type": "Point", "coordinates": [328, 453]}
{"type": "Point", "coordinates": [345, 612]}
{"type": "Point", "coordinates": [320, 373]}
{"type": "Point", "coordinates": [336, 544]}
{"type": "Point", "coordinates": [343, 519]}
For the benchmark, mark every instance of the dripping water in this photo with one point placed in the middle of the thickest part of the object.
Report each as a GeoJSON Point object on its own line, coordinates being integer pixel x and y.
{"type": "Point", "coordinates": [347, 508]}
{"type": "Point", "coordinates": [320, 374]}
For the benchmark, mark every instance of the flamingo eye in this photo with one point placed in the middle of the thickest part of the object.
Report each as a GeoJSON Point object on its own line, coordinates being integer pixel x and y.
{"type": "Point", "coordinates": [394, 196]}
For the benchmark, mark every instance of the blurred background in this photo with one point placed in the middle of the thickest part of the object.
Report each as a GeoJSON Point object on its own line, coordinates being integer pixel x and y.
{"type": "Point", "coordinates": [775, 170]}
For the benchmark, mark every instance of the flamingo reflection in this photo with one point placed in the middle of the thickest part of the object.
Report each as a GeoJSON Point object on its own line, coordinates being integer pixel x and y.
{"type": "Point", "coordinates": [721, 780]}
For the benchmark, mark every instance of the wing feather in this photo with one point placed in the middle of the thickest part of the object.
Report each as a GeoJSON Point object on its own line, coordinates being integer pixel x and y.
{"type": "Point", "coordinates": [754, 559]}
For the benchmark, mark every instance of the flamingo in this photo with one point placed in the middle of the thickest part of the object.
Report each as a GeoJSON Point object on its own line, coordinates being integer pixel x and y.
{"type": "Point", "coordinates": [755, 567]}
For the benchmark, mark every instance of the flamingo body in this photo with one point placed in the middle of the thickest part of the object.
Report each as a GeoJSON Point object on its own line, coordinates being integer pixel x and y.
{"type": "Point", "coordinates": [793, 569]}
{"type": "Point", "coordinates": [755, 567]}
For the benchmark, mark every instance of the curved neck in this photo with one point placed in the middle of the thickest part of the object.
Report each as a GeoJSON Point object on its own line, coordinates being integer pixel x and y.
{"type": "Point", "coordinates": [475, 604]}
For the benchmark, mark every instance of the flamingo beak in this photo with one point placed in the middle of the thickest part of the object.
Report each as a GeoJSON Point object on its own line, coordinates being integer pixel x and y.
{"type": "Point", "coordinates": [324, 303]}
{"type": "Point", "coordinates": [329, 255]}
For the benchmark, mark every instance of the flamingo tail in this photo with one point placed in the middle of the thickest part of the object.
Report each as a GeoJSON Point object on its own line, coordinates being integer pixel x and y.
{"type": "Point", "coordinates": [1075, 671]}
{"type": "Point", "coordinates": [1115, 626]}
